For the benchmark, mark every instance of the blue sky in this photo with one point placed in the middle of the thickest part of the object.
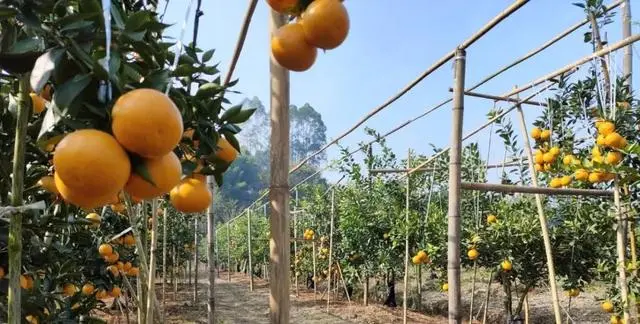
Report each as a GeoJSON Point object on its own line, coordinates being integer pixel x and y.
{"type": "Point", "coordinates": [390, 43]}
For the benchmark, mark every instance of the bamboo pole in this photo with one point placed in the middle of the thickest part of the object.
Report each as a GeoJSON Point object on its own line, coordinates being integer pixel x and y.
{"type": "Point", "coordinates": [196, 261]}
{"type": "Point", "coordinates": [174, 271]}
{"type": "Point", "coordinates": [487, 296]}
{"type": "Point", "coordinates": [542, 219]}
{"type": "Point", "coordinates": [295, 242]}
{"type": "Point", "coordinates": [241, 38]}
{"type": "Point", "coordinates": [17, 190]}
{"type": "Point", "coordinates": [406, 243]}
{"type": "Point", "coordinates": [228, 253]}
{"type": "Point", "coordinates": [621, 249]}
{"type": "Point", "coordinates": [164, 259]}
{"type": "Point", "coordinates": [453, 231]}
{"type": "Point", "coordinates": [140, 282]}
{"type": "Point", "coordinates": [333, 211]}
{"type": "Point", "coordinates": [152, 261]}
{"type": "Point", "coordinates": [315, 275]}
{"type": "Point", "coordinates": [627, 59]}
{"type": "Point", "coordinates": [249, 250]}
{"type": "Point", "coordinates": [536, 190]}
{"type": "Point", "coordinates": [473, 290]}
{"type": "Point", "coordinates": [501, 98]}
{"type": "Point", "coordinates": [280, 258]}
{"type": "Point", "coordinates": [211, 261]}
{"type": "Point", "coordinates": [365, 289]}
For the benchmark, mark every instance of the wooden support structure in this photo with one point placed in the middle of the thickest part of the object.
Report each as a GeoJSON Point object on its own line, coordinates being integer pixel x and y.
{"type": "Point", "coordinates": [211, 261]}
{"type": "Point", "coordinates": [536, 190]}
{"type": "Point", "coordinates": [228, 252]}
{"type": "Point", "coordinates": [196, 260]}
{"type": "Point", "coordinates": [500, 98]}
{"type": "Point", "coordinates": [151, 285]}
{"type": "Point", "coordinates": [279, 186]}
{"type": "Point", "coordinates": [333, 211]}
{"type": "Point", "coordinates": [250, 270]}
{"type": "Point", "coordinates": [164, 260]}
{"type": "Point", "coordinates": [425, 169]}
{"type": "Point", "coordinates": [315, 274]}
{"type": "Point", "coordinates": [455, 163]}
{"type": "Point", "coordinates": [627, 59]}
{"type": "Point", "coordinates": [406, 244]}
{"type": "Point", "coordinates": [541, 218]}
{"type": "Point", "coordinates": [621, 246]}
{"type": "Point", "coordinates": [295, 242]}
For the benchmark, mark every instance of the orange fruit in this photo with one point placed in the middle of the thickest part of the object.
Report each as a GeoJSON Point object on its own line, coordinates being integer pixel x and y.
{"type": "Point", "coordinates": [127, 266]}
{"type": "Point", "coordinates": [605, 128]}
{"type": "Point", "coordinates": [114, 270]}
{"type": "Point", "coordinates": [613, 158]}
{"type": "Point", "coordinates": [2, 273]}
{"type": "Point", "coordinates": [422, 256]}
{"type": "Point", "coordinates": [615, 140]}
{"type": "Point", "coordinates": [607, 306]}
{"type": "Point", "coordinates": [492, 219]}
{"type": "Point", "coordinates": [539, 167]}
{"type": "Point", "coordinates": [547, 166]}
{"type": "Point", "coordinates": [283, 6]}
{"type": "Point", "coordinates": [133, 272]}
{"type": "Point", "coordinates": [47, 92]}
{"type": "Point", "coordinates": [291, 50]}
{"type": "Point", "coordinates": [555, 151]}
{"type": "Point", "coordinates": [115, 292]}
{"type": "Point", "coordinates": [565, 181]}
{"type": "Point", "coordinates": [506, 265]}
{"type": "Point", "coordinates": [49, 184]}
{"type": "Point", "coordinates": [77, 198]}
{"type": "Point", "coordinates": [548, 157]}
{"type": "Point", "coordinates": [545, 135]}
{"type": "Point", "coordinates": [600, 140]}
{"type": "Point", "coordinates": [26, 282]}
{"type": "Point", "coordinates": [119, 208]}
{"type": "Point", "coordinates": [568, 159]}
{"type": "Point", "coordinates": [120, 265]}
{"type": "Point", "coordinates": [539, 157]}
{"type": "Point", "coordinates": [112, 258]}
{"type": "Point", "coordinates": [555, 183]}
{"type": "Point", "coordinates": [415, 260]}
{"type": "Point", "coordinates": [129, 240]}
{"type": "Point", "coordinates": [226, 151]}
{"type": "Point", "coordinates": [101, 294]}
{"type": "Point", "coordinates": [473, 254]}
{"type": "Point", "coordinates": [95, 219]}
{"type": "Point", "coordinates": [87, 289]}
{"type": "Point", "coordinates": [595, 177]}
{"type": "Point", "coordinates": [536, 132]}
{"type": "Point", "coordinates": [325, 23]}
{"type": "Point", "coordinates": [581, 175]}
{"type": "Point", "coordinates": [165, 173]}
{"type": "Point", "coordinates": [37, 103]}
{"type": "Point", "coordinates": [191, 196]}
{"type": "Point", "coordinates": [105, 249]}
{"type": "Point", "coordinates": [31, 319]}
{"type": "Point", "coordinates": [91, 162]}
{"type": "Point", "coordinates": [146, 122]}
{"type": "Point", "coordinates": [69, 289]}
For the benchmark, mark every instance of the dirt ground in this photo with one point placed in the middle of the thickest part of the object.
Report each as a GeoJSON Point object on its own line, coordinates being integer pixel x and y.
{"type": "Point", "coordinates": [236, 304]}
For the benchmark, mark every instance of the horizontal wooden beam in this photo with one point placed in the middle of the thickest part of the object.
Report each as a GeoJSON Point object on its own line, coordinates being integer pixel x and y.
{"type": "Point", "coordinates": [500, 98]}
{"type": "Point", "coordinates": [490, 166]}
{"type": "Point", "coordinates": [535, 190]}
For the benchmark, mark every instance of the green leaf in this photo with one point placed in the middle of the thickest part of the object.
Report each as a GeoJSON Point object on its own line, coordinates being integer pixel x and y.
{"type": "Point", "coordinates": [184, 70]}
{"type": "Point", "coordinates": [157, 79]}
{"type": "Point", "coordinates": [231, 128]}
{"type": "Point", "coordinates": [45, 64]}
{"type": "Point", "coordinates": [242, 116]}
{"type": "Point", "coordinates": [208, 90]}
{"type": "Point", "coordinates": [229, 113]}
{"type": "Point", "coordinates": [141, 169]}
{"type": "Point", "coordinates": [207, 55]}
{"type": "Point", "coordinates": [134, 36]}
{"type": "Point", "coordinates": [232, 140]}
{"type": "Point", "coordinates": [137, 20]}
{"type": "Point", "coordinates": [81, 24]}
{"type": "Point", "coordinates": [210, 70]}
{"type": "Point", "coordinates": [26, 46]}
{"type": "Point", "coordinates": [68, 91]}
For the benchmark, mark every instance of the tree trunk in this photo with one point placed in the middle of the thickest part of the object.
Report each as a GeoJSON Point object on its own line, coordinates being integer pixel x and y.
{"type": "Point", "coordinates": [152, 261]}
{"type": "Point", "coordinates": [195, 261]}
{"type": "Point", "coordinates": [391, 291]}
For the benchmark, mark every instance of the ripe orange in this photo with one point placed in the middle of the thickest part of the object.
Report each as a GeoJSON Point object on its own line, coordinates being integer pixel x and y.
{"type": "Point", "coordinates": [291, 50]}
{"type": "Point", "coordinates": [127, 266]}
{"type": "Point", "coordinates": [600, 140]}
{"type": "Point", "coordinates": [555, 183]}
{"type": "Point", "coordinates": [133, 272]}
{"type": "Point", "coordinates": [105, 249]}
{"type": "Point", "coordinates": [115, 292]}
{"type": "Point", "coordinates": [146, 122]}
{"type": "Point", "coordinates": [615, 140]}
{"type": "Point", "coordinates": [445, 287]}
{"type": "Point", "coordinates": [606, 128]}
{"type": "Point", "coordinates": [26, 282]}
{"type": "Point", "coordinates": [191, 196]}
{"type": "Point", "coordinates": [565, 181]}
{"type": "Point", "coordinates": [69, 289]}
{"type": "Point", "coordinates": [101, 294]}
{"type": "Point", "coordinates": [539, 167]}
{"type": "Point", "coordinates": [325, 23]}
{"type": "Point", "coordinates": [48, 183]}
{"type": "Point", "coordinates": [506, 265]}
{"type": "Point", "coordinates": [595, 177]}
{"type": "Point", "coordinates": [129, 240]}
{"type": "Point", "coordinates": [545, 135]}
{"type": "Point", "coordinates": [548, 157]}
{"type": "Point", "coordinates": [91, 162]}
{"type": "Point", "coordinates": [568, 159]}
{"type": "Point", "coordinates": [114, 270]}
{"type": "Point", "coordinates": [473, 254]}
{"type": "Point", "coordinates": [581, 175]}
{"type": "Point", "coordinates": [2, 273]}
{"type": "Point", "coordinates": [87, 289]}
{"type": "Point", "coordinates": [613, 158]}
{"type": "Point", "coordinates": [77, 198]}
{"type": "Point", "coordinates": [539, 157]}
{"type": "Point", "coordinates": [165, 173]}
{"type": "Point", "coordinates": [555, 151]}
{"type": "Point", "coordinates": [422, 256]}
{"type": "Point", "coordinates": [547, 166]}
{"type": "Point", "coordinates": [31, 319]}
{"type": "Point", "coordinates": [415, 260]}
{"type": "Point", "coordinates": [535, 133]}
{"type": "Point", "coordinates": [226, 151]}
{"type": "Point", "coordinates": [492, 219]}
{"type": "Point", "coordinates": [607, 306]}
{"type": "Point", "coordinates": [112, 258]}
{"type": "Point", "coordinates": [283, 6]}
{"type": "Point", "coordinates": [119, 208]}
{"type": "Point", "coordinates": [37, 103]}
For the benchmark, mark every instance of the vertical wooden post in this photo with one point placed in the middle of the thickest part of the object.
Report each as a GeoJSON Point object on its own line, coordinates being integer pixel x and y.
{"type": "Point", "coordinates": [196, 261]}
{"type": "Point", "coordinates": [406, 243]}
{"type": "Point", "coordinates": [295, 242]}
{"type": "Point", "coordinates": [249, 212]}
{"type": "Point", "coordinates": [627, 64]}
{"type": "Point", "coordinates": [365, 288]}
{"type": "Point", "coordinates": [17, 190]}
{"type": "Point", "coordinates": [453, 244]}
{"type": "Point", "coordinates": [315, 276]}
{"type": "Point", "coordinates": [164, 259]}
{"type": "Point", "coordinates": [333, 211]}
{"type": "Point", "coordinates": [174, 271]}
{"type": "Point", "coordinates": [211, 261]}
{"type": "Point", "coordinates": [280, 258]}
{"type": "Point", "coordinates": [548, 249]}
{"type": "Point", "coordinates": [228, 253]}
{"type": "Point", "coordinates": [142, 249]}
{"type": "Point", "coordinates": [621, 247]}
{"type": "Point", "coordinates": [152, 261]}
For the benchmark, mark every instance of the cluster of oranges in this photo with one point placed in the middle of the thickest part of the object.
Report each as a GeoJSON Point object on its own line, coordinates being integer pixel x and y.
{"type": "Point", "coordinates": [308, 234]}
{"type": "Point", "coordinates": [111, 257]}
{"type": "Point", "coordinates": [420, 258]}
{"type": "Point", "coordinates": [324, 24]}
{"type": "Point", "coordinates": [545, 155]}
{"type": "Point", "coordinates": [93, 167]}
